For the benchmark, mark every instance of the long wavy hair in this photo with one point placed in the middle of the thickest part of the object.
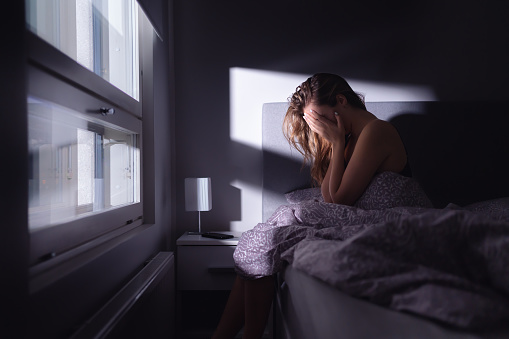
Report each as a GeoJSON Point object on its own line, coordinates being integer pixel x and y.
{"type": "Point", "coordinates": [320, 89]}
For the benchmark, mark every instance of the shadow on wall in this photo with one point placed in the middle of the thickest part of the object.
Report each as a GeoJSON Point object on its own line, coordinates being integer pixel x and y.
{"type": "Point", "coordinates": [458, 150]}
{"type": "Point", "coordinates": [281, 175]}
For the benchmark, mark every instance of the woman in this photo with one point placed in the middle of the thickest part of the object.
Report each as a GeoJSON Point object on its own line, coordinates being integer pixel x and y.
{"type": "Point", "coordinates": [329, 124]}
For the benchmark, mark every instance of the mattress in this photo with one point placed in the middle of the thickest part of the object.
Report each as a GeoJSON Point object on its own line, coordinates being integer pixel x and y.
{"type": "Point", "coordinates": [309, 308]}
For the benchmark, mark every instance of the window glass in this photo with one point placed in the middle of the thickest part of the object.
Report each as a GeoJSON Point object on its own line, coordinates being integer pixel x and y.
{"type": "Point", "coordinates": [101, 35]}
{"type": "Point", "coordinates": [78, 165]}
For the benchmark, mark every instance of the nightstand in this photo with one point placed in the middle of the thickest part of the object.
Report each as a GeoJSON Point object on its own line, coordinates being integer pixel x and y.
{"type": "Point", "coordinates": [205, 277]}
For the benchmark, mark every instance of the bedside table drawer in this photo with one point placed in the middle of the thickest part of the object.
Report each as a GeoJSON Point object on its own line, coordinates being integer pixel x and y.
{"type": "Point", "coordinates": [205, 267]}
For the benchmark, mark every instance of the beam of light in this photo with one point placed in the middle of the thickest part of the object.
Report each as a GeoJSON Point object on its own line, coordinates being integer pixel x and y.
{"type": "Point", "coordinates": [251, 88]}
{"type": "Point", "coordinates": [388, 92]}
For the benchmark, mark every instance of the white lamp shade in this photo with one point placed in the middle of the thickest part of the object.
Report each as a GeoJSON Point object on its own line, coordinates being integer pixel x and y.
{"type": "Point", "coordinates": [198, 194]}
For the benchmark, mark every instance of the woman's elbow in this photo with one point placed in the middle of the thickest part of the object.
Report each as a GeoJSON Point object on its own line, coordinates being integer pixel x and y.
{"type": "Point", "coordinates": [327, 198]}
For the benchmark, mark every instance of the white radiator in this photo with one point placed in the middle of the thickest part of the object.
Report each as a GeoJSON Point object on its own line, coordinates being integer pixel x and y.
{"type": "Point", "coordinates": [144, 308]}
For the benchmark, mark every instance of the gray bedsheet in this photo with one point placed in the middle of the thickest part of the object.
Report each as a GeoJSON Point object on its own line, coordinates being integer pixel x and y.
{"type": "Point", "coordinates": [450, 265]}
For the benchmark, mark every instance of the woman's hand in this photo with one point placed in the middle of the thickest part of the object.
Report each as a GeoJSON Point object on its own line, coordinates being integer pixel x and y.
{"type": "Point", "coordinates": [332, 131]}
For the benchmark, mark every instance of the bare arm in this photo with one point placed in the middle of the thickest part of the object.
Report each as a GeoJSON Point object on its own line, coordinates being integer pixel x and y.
{"type": "Point", "coordinates": [374, 146]}
{"type": "Point", "coordinates": [336, 169]}
{"type": "Point", "coordinates": [325, 184]}
{"type": "Point", "coordinates": [334, 132]}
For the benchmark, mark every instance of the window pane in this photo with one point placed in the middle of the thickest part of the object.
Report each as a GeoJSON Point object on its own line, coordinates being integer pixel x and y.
{"type": "Point", "coordinates": [78, 165]}
{"type": "Point", "coordinates": [101, 35]}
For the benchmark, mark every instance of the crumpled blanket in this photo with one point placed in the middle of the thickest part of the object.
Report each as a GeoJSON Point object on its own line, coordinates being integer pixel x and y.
{"type": "Point", "coordinates": [449, 265]}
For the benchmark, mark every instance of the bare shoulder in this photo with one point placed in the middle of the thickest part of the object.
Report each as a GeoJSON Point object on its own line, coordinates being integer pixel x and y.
{"type": "Point", "coordinates": [383, 138]}
{"type": "Point", "coordinates": [379, 129]}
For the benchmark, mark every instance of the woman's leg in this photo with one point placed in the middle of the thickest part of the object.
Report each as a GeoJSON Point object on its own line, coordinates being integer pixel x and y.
{"type": "Point", "coordinates": [249, 302]}
{"type": "Point", "coordinates": [232, 319]}
{"type": "Point", "coordinates": [258, 296]}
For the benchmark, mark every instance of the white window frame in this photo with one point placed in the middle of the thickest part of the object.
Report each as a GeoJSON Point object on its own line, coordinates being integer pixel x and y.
{"type": "Point", "coordinates": [55, 77]}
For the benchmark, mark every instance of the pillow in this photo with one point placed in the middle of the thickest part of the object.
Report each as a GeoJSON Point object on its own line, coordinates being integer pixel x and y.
{"type": "Point", "coordinates": [390, 189]}
{"type": "Point", "coordinates": [305, 194]}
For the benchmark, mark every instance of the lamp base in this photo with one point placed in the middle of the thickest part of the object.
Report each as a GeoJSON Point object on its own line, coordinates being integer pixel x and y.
{"type": "Point", "coordinates": [194, 233]}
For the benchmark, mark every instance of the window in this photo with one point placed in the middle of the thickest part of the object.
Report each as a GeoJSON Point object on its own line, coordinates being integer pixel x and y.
{"type": "Point", "coordinates": [84, 121]}
{"type": "Point", "coordinates": [100, 35]}
{"type": "Point", "coordinates": [78, 165]}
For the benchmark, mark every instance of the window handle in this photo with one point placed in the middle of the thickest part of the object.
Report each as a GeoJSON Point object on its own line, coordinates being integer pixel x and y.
{"type": "Point", "coordinates": [106, 111]}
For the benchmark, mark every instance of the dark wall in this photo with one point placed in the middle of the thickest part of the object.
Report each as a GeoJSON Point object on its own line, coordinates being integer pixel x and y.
{"type": "Point", "coordinates": [457, 150]}
{"type": "Point", "coordinates": [14, 202]}
{"type": "Point", "coordinates": [457, 49]}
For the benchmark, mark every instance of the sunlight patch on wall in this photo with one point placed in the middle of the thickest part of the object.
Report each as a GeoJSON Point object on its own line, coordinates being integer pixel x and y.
{"type": "Point", "coordinates": [251, 88]}
{"type": "Point", "coordinates": [384, 92]}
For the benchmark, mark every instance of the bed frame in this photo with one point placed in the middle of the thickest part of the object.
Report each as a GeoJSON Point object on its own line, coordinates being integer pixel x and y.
{"type": "Point", "coordinates": [458, 153]}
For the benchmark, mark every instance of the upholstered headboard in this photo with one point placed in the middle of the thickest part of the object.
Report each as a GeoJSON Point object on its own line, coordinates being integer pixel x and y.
{"type": "Point", "coordinates": [458, 151]}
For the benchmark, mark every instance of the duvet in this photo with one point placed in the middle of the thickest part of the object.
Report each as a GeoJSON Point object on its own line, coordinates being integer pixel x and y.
{"type": "Point", "coordinates": [393, 249]}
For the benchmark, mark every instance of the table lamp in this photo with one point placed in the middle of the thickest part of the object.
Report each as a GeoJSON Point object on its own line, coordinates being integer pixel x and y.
{"type": "Point", "coordinates": [198, 197]}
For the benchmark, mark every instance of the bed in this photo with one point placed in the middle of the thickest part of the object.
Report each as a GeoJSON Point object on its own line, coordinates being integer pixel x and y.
{"type": "Point", "coordinates": [457, 152]}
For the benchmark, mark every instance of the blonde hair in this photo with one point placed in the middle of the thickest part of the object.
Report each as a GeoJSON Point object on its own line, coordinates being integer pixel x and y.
{"type": "Point", "coordinates": [321, 89]}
